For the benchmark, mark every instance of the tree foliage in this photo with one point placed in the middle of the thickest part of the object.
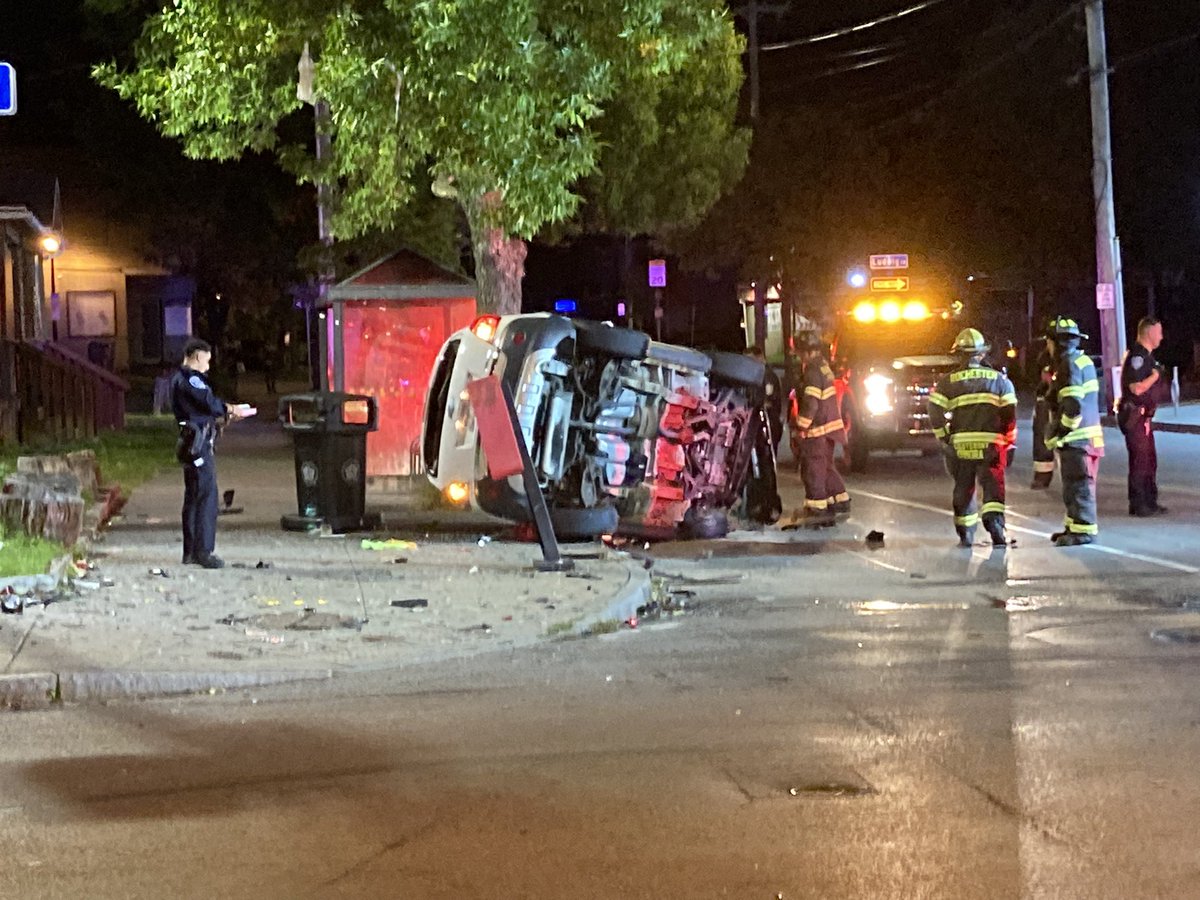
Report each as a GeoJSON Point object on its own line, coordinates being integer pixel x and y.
{"type": "Point", "coordinates": [500, 99]}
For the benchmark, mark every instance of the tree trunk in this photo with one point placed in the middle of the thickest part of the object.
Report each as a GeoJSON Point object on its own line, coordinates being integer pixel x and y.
{"type": "Point", "coordinates": [499, 258]}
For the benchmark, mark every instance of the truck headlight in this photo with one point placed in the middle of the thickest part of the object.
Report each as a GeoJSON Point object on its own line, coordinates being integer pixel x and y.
{"type": "Point", "coordinates": [879, 394]}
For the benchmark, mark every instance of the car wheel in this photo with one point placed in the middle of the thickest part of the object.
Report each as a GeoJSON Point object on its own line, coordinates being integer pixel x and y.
{"type": "Point", "coordinates": [705, 524]}
{"type": "Point", "coordinates": [734, 368]}
{"type": "Point", "coordinates": [619, 342]}
{"type": "Point", "coordinates": [583, 523]}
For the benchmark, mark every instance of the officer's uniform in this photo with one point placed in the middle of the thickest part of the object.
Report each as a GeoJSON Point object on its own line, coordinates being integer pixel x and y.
{"type": "Point", "coordinates": [1043, 456]}
{"type": "Point", "coordinates": [974, 412]}
{"type": "Point", "coordinates": [197, 410]}
{"type": "Point", "coordinates": [1076, 434]}
{"type": "Point", "coordinates": [818, 429]}
{"type": "Point", "coordinates": [1135, 415]}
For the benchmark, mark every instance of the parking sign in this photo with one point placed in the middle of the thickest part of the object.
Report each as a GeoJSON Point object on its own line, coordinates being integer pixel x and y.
{"type": "Point", "coordinates": [658, 273]}
{"type": "Point", "coordinates": [8, 89]}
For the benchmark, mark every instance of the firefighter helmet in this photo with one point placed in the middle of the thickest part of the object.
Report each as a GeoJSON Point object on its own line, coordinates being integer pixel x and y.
{"type": "Point", "coordinates": [807, 341]}
{"type": "Point", "coordinates": [1066, 328]}
{"type": "Point", "coordinates": [971, 341]}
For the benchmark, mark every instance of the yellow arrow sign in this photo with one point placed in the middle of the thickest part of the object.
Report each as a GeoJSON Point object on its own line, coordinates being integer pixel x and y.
{"type": "Point", "coordinates": [898, 283]}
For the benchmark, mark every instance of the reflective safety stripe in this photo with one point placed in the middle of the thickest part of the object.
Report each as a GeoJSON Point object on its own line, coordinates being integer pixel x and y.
{"type": "Point", "coordinates": [827, 428]}
{"type": "Point", "coordinates": [1079, 527]}
{"type": "Point", "coordinates": [968, 438]}
{"type": "Point", "coordinates": [1071, 422]}
{"type": "Point", "coordinates": [1083, 361]}
{"type": "Point", "coordinates": [940, 433]}
{"type": "Point", "coordinates": [992, 507]}
{"type": "Point", "coordinates": [1043, 466]}
{"type": "Point", "coordinates": [939, 399]}
{"type": "Point", "coordinates": [1094, 433]}
{"type": "Point", "coordinates": [802, 423]}
{"type": "Point", "coordinates": [842, 498]}
{"type": "Point", "coordinates": [980, 399]}
{"type": "Point", "coordinates": [813, 391]}
{"type": "Point", "coordinates": [1079, 390]}
{"type": "Point", "coordinates": [816, 504]}
{"type": "Point", "coordinates": [967, 521]}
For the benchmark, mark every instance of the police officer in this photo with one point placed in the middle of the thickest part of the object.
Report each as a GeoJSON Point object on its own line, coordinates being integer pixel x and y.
{"type": "Point", "coordinates": [199, 412]}
{"type": "Point", "coordinates": [1141, 377]}
{"type": "Point", "coordinates": [816, 430]}
{"type": "Point", "coordinates": [974, 414]}
{"type": "Point", "coordinates": [1075, 432]}
{"type": "Point", "coordinates": [1043, 456]}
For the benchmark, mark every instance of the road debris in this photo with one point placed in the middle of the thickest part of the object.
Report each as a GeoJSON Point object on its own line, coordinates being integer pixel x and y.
{"type": "Point", "coordinates": [415, 603]}
{"type": "Point", "coordinates": [387, 544]}
{"type": "Point", "coordinates": [875, 539]}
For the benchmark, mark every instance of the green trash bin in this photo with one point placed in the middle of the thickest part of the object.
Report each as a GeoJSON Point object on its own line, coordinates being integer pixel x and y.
{"type": "Point", "coordinates": [329, 434]}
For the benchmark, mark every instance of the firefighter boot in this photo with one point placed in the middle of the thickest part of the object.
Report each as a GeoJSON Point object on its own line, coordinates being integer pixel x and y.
{"type": "Point", "coordinates": [841, 508]}
{"type": "Point", "coordinates": [1070, 539]}
{"type": "Point", "coordinates": [816, 518]}
{"type": "Point", "coordinates": [999, 538]}
{"type": "Point", "coordinates": [1041, 481]}
{"type": "Point", "coordinates": [966, 536]}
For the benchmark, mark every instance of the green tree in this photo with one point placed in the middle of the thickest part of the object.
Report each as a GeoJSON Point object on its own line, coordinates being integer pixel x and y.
{"type": "Point", "coordinates": [499, 101]}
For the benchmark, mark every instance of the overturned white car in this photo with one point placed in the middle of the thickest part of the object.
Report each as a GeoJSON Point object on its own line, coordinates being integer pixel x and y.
{"type": "Point", "coordinates": [625, 433]}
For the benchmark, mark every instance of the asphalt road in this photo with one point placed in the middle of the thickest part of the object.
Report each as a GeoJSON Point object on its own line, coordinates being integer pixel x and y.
{"type": "Point", "coordinates": [825, 721]}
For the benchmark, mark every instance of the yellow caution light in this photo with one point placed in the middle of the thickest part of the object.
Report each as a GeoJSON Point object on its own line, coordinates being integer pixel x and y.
{"type": "Point", "coordinates": [457, 493]}
{"type": "Point", "coordinates": [915, 311]}
{"type": "Point", "coordinates": [865, 312]}
{"type": "Point", "coordinates": [889, 311]}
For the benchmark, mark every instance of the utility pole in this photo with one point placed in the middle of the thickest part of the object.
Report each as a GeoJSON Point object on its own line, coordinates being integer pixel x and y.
{"type": "Point", "coordinates": [1110, 296]}
{"type": "Point", "coordinates": [750, 12]}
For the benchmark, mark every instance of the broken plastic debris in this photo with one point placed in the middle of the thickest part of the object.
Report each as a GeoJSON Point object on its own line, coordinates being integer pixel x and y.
{"type": "Point", "coordinates": [414, 603]}
{"type": "Point", "coordinates": [474, 570]}
{"type": "Point", "coordinates": [87, 585]}
{"type": "Point", "coordinates": [875, 539]}
{"type": "Point", "coordinates": [162, 573]}
{"type": "Point", "coordinates": [263, 565]}
{"type": "Point", "coordinates": [388, 544]}
{"type": "Point", "coordinates": [484, 540]}
{"type": "Point", "coordinates": [632, 621]}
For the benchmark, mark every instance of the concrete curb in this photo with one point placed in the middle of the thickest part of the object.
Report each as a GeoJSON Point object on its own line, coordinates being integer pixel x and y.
{"type": "Point", "coordinates": [634, 593]}
{"type": "Point", "coordinates": [86, 687]}
{"type": "Point", "coordinates": [1171, 427]}
{"type": "Point", "coordinates": [35, 690]}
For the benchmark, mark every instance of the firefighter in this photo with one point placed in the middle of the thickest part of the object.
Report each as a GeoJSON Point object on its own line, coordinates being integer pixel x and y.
{"type": "Point", "coordinates": [1043, 456]}
{"type": "Point", "coordinates": [974, 414]}
{"type": "Point", "coordinates": [1075, 432]}
{"type": "Point", "coordinates": [816, 430]}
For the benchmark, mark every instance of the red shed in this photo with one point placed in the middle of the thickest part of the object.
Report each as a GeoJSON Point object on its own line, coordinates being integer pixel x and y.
{"type": "Point", "coordinates": [390, 320]}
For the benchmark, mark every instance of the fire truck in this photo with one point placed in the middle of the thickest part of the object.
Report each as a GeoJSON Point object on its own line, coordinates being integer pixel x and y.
{"type": "Point", "coordinates": [888, 352]}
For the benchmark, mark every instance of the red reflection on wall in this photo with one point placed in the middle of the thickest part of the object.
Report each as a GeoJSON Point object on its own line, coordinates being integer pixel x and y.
{"type": "Point", "coordinates": [389, 349]}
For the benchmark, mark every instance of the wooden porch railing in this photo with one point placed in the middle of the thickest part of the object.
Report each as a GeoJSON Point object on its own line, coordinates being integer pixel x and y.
{"type": "Point", "coordinates": [50, 393]}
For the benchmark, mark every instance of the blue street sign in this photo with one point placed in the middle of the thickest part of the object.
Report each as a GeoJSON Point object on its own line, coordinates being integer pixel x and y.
{"type": "Point", "coordinates": [8, 89]}
{"type": "Point", "coordinates": [889, 261]}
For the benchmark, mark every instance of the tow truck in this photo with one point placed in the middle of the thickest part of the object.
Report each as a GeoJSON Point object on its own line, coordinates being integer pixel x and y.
{"type": "Point", "coordinates": [888, 353]}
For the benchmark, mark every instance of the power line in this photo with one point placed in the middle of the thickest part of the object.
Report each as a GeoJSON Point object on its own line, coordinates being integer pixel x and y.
{"type": "Point", "coordinates": [852, 29]}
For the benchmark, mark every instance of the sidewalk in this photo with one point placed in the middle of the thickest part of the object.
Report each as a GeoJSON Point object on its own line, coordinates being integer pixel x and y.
{"type": "Point", "coordinates": [1184, 420]}
{"type": "Point", "coordinates": [293, 606]}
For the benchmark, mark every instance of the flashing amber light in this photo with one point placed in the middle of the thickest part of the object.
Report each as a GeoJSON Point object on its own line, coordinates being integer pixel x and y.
{"type": "Point", "coordinates": [50, 244]}
{"type": "Point", "coordinates": [916, 311]}
{"type": "Point", "coordinates": [1012, 352]}
{"type": "Point", "coordinates": [457, 492]}
{"type": "Point", "coordinates": [889, 311]}
{"type": "Point", "coordinates": [865, 312]}
{"type": "Point", "coordinates": [485, 328]}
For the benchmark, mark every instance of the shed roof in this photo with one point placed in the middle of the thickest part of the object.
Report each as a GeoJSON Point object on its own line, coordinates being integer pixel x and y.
{"type": "Point", "coordinates": [403, 275]}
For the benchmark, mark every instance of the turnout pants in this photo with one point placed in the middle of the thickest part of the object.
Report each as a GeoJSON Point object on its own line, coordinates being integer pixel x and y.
{"type": "Point", "coordinates": [1078, 468]}
{"type": "Point", "coordinates": [1143, 464]}
{"type": "Point", "coordinates": [200, 507]}
{"type": "Point", "coordinates": [989, 475]}
{"type": "Point", "coordinates": [823, 485]}
{"type": "Point", "coordinates": [1043, 456]}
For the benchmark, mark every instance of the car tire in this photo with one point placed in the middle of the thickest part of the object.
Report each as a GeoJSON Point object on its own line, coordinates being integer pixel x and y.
{"type": "Point", "coordinates": [583, 523]}
{"type": "Point", "coordinates": [734, 368]}
{"type": "Point", "coordinates": [624, 343]}
{"type": "Point", "coordinates": [705, 524]}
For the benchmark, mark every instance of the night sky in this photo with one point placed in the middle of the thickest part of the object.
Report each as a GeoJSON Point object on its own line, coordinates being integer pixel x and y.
{"type": "Point", "coordinates": [996, 71]}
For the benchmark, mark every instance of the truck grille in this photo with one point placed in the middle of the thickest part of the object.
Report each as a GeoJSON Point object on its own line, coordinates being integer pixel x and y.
{"type": "Point", "coordinates": [912, 404]}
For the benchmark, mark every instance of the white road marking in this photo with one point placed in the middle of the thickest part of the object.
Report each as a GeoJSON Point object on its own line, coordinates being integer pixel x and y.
{"type": "Point", "coordinates": [1153, 560]}
{"type": "Point", "coordinates": [874, 562]}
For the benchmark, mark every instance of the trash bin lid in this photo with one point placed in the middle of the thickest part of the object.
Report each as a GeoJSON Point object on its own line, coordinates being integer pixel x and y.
{"type": "Point", "coordinates": [333, 411]}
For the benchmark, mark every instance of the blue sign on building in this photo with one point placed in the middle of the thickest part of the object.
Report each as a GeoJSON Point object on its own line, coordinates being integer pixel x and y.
{"type": "Point", "coordinates": [565, 306]}
{"type": "Point", "coordinates": [8, 89]}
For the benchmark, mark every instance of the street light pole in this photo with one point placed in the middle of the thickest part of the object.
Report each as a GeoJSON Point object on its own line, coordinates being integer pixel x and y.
{"type": "Point", "coordinates": [1110, 296]}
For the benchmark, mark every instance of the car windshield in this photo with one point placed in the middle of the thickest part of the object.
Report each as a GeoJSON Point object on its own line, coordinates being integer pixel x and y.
{"type": "Point", "coordinates": [932, 336]}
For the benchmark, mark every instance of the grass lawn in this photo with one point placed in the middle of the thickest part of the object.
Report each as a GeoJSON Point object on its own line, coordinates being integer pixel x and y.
{"type": "Point", "coordinates": [128, 458]}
